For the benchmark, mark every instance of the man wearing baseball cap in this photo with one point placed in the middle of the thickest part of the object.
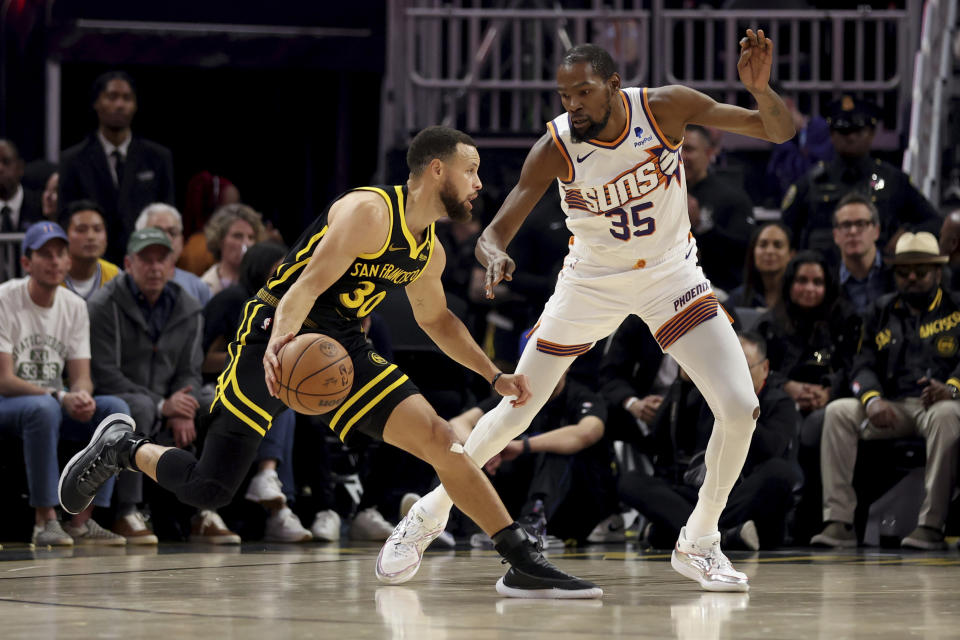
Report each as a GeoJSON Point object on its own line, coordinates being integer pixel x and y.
{"type": "Point", "coordinates": [44, 332]}
{"type": "Point", "coordinates": [809, 203]}
{"type": "Point", "coordinates": [146, 338]}
{"type": "Point", "coordinates": [906, 382]}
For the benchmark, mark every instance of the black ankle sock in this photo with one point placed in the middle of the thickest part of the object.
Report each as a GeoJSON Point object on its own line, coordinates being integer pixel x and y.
{"type": "Point", "coordinates": [513, 526]}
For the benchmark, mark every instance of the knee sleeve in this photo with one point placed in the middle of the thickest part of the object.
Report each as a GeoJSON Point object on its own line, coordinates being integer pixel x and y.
{"type": "Point", "coordinates": [177, 472]}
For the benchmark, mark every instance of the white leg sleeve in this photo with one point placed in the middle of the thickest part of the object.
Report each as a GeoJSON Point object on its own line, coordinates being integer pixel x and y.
{"type": "Point", "coordinates": [713, 358]}
{"type": "Point", "coordinates": [505, 422]}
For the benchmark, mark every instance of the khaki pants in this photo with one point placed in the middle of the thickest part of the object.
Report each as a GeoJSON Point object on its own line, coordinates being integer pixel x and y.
{"type": "Point", "coordinates": [940, 427]}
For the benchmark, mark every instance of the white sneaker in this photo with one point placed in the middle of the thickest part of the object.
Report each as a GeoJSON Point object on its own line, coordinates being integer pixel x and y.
{"type": "Point", "coordinates": [265, 487]}
{"type": "Point", "coordinates": [133, 527]}
{"type": "Point", "coordinates": [406, 502]}
{"type": "Point", "coordinates": [326, 526]}
{"type": "Point", "coordinates": [51, 534]}
{"type": "Point", "coordinates": [703, 561]}
{"type": "Point", "coordinates": [207, 527]}
{"type": "Point", "coordinates": [369, 525]}
{"type": "Point", "coordinates": [284, 526]}
{"type": "Point", "coordinates": [91, 533]}
{"type": "Point", "coordinates": [610, 529]}
{"type": "Point", "coordinates": [400, 556]}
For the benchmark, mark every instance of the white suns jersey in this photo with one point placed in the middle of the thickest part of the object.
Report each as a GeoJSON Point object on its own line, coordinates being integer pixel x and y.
{"type": "Point", "coordinates": [626, 200]}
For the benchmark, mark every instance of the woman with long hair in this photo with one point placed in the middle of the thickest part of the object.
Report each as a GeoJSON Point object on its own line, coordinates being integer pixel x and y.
{"type": "Point", "coordinates": [768, 253]}
{"type": "Point", "coordinates": [812, 333]}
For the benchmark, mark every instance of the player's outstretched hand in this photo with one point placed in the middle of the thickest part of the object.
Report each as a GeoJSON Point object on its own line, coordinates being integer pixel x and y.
{"type": "Point", "coordinates": [500, 268]}
{"type": "Point", "coordinates": [271, 362]}
{"type": "Point", "coordinates": [756, 58]}
{"type": "Point", "coordinates": [514, 384]}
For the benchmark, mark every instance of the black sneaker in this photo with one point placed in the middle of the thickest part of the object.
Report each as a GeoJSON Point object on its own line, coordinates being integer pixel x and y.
{"type": "Point", "coordinates": [531, 575]}
{"type": "Point", "coordinates": [108, 453]}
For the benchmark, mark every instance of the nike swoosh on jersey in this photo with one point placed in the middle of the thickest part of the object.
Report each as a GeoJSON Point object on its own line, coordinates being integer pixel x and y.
{"type": "Point", "coordinates": [582, 158]}
{"type": "Point", "coordinates": [396, 248]}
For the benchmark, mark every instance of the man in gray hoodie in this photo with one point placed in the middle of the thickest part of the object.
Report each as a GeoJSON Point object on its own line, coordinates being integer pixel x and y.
{"type": "Point", "coordinates": [146, 342]}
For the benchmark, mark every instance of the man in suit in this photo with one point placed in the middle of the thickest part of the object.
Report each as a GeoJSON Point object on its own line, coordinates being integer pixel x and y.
{"type": "Point", "coordinates": [19, 208]}
{"type": "Point", "coordinates": [120, 172]}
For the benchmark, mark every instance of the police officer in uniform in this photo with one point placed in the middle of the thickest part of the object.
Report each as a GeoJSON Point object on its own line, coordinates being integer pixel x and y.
{"type": "Point", "coordinates": [809, 203]}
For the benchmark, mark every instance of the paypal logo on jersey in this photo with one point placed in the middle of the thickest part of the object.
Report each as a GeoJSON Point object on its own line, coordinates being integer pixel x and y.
{"type": "Point", "coordinates": [638, 132]}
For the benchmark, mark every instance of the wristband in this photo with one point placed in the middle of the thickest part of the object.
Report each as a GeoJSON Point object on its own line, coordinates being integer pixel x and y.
{"type": "Point", "coordinates": [58, 394]}
{"type": "Point", "coordinates": [493, 383]}
{"type": "Point", "coordinates": [870, 401]}
{"type": "Point", "coordinates": [630, 403]}
{"type": "Point", "coordinates": [526, 444]}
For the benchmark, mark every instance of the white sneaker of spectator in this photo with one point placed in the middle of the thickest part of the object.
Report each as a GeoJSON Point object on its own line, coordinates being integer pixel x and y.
{"type": "Point", "coordinates": [51, 533]}
{"type": "Point", "coordinates": [326, 526]}
{"type": "Point", "coordinates": [369, 525]}
{"type": "Point", "coordinates": [208, 527]}
{"type": "Point", "coordinates": [285, 526]}
{"type": "Point", "coordinates": [91, 533]}
{"type": "Point", "coordinates": [265, 487]}
{"type": "Point", "coordinates": [610, 529]}
{"type": "Point", "coordinates": [133, 527]}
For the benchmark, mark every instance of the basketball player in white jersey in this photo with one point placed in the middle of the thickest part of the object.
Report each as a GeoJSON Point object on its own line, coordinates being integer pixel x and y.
{"type": "Point", "coordinates": [615, 155]}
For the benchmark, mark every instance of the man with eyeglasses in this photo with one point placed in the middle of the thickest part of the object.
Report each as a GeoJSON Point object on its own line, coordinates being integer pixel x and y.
{"type": "Point", "coordinates": [906, 382]}
{"type": "Point", "coordinates": [810, 202]}
{"type": "Point", "coordinates": [856, 228]}
{"type": "Point", "coordinates": [166, 218]}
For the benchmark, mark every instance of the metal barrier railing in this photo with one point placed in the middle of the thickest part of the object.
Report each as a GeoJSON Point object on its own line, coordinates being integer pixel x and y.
{"type": "Point", "coordinates": [491, 71]}
{"type": "Point", "coordinates": [933, 69]}
{"type": "Point", "coordinates": [9, 252]}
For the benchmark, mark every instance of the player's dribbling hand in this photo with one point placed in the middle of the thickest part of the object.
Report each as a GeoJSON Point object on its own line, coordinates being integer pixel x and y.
{"type": "Point", "coordinates": [500, 268]}
{"type": "Point", "coordinates": [756, 58]}
{"type": "Point", "coordinates": [271, 362]}
{"type": "Point", "coordinates": [514, 384]}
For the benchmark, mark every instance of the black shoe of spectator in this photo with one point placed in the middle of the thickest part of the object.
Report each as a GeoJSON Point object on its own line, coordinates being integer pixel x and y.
{"type": "Point", "coordinates": [530, 574]}
{"type": "Point", "coordinates": [110, 451]}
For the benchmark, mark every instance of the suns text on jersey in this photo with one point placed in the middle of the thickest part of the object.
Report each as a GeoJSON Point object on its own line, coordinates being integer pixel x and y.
{"type": "Point", "coordinates": [631, 185]}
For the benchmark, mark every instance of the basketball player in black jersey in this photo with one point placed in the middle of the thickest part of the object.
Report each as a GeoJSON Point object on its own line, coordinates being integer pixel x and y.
{"type": "Point", "coordinates": [367, 241]}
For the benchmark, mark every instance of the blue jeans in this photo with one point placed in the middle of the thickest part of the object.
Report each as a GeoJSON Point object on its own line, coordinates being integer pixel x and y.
{"type": "Point", "coordinates": [39, 421]}
{"type": "Point", "coordinates": [278, 445]}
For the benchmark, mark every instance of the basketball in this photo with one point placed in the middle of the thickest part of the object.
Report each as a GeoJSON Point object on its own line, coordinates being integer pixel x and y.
{"type": "Point", "coordinates": [316, 374]}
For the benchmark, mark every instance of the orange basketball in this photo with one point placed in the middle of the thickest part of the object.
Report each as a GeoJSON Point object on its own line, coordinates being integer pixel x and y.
{"type": "Point", "coordinates": [316, 374]}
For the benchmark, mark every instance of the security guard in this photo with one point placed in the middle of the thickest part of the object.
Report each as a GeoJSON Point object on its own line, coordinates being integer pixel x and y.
{"type": "Point", "coordinates": [809, 203]}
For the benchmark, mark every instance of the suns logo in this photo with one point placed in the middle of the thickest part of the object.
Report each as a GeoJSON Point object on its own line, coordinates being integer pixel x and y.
{"type": "Point", "coordinates": [661, 167]}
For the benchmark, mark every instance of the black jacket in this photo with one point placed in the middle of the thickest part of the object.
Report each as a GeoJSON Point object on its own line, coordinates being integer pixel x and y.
{"type": "Point", "coordinates": [147, 178]}
{"type": "Point", "coordinates": [898, 349]}
{"type": "Point", "coordinates": [816, 350]}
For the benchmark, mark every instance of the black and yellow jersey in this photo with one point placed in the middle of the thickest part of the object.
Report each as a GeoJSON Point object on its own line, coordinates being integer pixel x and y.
{"type": "Point", "coordinates": [364, 285]}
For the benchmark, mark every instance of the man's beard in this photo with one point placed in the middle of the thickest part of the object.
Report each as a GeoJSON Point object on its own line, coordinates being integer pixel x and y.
{"type": "Point", "coordinates": [456, 209]}
{"type": "Point", "coordinates": [591, 131]}
{"type": "Point", "coordinates": [920, 300]}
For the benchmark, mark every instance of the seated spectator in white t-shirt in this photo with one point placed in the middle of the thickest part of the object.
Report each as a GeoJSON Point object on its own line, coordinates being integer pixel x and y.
{"type": "Point", "coordinates": [45, 329]}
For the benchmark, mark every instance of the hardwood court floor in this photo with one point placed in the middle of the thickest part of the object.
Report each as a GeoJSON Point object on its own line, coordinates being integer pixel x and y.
{"type": "Point", "coordinates": [314, 591]}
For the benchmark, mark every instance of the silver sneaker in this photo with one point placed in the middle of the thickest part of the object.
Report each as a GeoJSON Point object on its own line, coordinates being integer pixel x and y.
{"type": "Point", "coordinates": [51, 534]}
{"type": "Point", "coordinates": [400, 556]}
{"type": "Point", "coordinates": [703, 561]}
{"type": "Point", "coordinates": [91, 533]}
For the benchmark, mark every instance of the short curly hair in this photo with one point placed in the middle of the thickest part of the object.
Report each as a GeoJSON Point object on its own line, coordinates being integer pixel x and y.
{"type": "Point", "coordinates": [216, 229]}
